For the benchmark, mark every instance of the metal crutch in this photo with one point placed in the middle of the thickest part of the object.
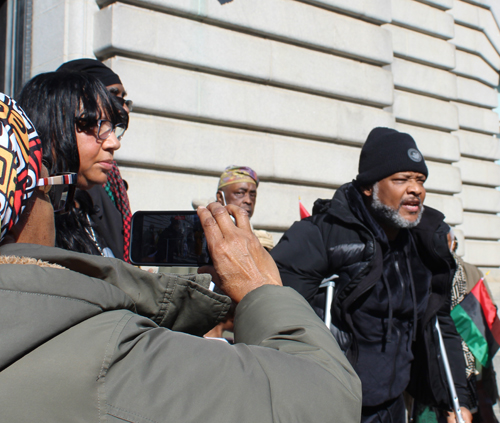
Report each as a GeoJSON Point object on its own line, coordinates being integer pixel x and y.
{"type": "Point", "coordinates": [329, 284]}
{"type": "Point", "coordinates": [453, 392]}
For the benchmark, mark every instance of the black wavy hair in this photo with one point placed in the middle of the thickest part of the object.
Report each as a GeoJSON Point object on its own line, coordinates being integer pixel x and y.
{"type": "Point", "coordinates": [59, 102]}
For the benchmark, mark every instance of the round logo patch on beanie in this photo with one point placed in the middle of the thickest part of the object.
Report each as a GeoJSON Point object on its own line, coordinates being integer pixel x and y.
{"type": "Point", "coordinates": [414, 155]}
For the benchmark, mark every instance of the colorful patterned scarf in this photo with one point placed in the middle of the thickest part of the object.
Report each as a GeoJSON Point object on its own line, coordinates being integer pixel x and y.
{"type": "Point", "coordinates": [117, 191]}
{"type": "Point", "coordinates": [237, 174]}
{"type": "Point", "coordinates": [20, 162]}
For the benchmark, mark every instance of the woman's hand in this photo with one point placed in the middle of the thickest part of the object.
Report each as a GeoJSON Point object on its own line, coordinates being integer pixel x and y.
{"type": "Point", "coordinates": [240, 262]}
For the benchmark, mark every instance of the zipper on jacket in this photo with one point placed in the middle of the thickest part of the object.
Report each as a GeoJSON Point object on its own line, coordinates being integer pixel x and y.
{"type": "Point", "coordinates": [401, 280]}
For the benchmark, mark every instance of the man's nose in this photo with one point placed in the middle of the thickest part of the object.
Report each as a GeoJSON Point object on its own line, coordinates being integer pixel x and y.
{"type": "Point", "coordinates": [415, 188]}
{"type": "Point", "coordinates": [247, 199]}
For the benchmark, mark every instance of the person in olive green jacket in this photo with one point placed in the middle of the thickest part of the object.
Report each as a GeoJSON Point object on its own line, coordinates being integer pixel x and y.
{"type": "Point", "coordinates": [93, 339]}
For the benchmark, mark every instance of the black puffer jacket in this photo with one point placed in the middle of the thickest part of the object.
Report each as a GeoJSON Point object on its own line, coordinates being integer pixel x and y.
{"type": "Point", "coordinates": [335, 241]}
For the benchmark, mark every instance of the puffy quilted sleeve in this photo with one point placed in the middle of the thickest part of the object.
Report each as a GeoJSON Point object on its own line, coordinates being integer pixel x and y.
{"type": "Point", "coordinates": [301, 258]}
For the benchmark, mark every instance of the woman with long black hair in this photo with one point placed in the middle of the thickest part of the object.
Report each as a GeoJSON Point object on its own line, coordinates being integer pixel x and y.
{"type": "Point", "coordinates": [80, 126]}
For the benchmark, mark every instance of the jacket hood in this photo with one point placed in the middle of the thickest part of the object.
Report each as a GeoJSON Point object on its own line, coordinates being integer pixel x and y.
{"type": "Point", "coordinates": [46, 300]}
{"type": "Point", "coordinates": [347, 205]}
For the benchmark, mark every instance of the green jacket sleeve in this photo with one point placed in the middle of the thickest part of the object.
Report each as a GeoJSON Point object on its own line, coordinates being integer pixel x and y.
{"type": "Point", "coordinates": [285, 367]}
{"type": "Point", "coordinates": [181, 303]}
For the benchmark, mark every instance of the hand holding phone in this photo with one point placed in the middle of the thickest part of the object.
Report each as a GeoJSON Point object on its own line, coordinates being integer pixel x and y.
{"type": "Point", "coordinates": [241, 263]}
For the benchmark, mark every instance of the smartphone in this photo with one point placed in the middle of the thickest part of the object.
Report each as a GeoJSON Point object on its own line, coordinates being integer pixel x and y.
{"type": "Point", "coordinates": [224, 203]}
{"type": "Point", "coordinates": [168, 238]}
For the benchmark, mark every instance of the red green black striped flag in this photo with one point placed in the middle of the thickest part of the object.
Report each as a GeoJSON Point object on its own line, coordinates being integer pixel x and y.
{"type": "Point", "coordinates": [477, 323]}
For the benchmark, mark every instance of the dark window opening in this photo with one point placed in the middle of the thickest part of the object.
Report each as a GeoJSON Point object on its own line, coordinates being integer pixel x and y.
{"type": "Point", "coordinates": [15, 44]}
{"type": "Point", "coordinates": [3, 42]}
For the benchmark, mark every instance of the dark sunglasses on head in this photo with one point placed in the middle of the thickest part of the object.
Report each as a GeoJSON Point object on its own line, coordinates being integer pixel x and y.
{"type": "Point", "coordinates": [123, 102]}
{"type": "Point", "coordinates": [61, 189]}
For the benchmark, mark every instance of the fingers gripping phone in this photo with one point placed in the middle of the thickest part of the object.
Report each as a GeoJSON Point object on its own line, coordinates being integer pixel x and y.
{"type": "Point", "coordinates": [168, 238]}
{"type": "Point", "coordinates": [224, 203]}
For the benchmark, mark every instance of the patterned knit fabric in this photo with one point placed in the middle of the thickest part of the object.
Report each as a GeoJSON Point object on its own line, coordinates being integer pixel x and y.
{"type": "Point", "coordinates": [458, 292]}
{"type": "Point", "coordinates": [115, 187]}
{"type": "Point", "coordinates": [237, 174]}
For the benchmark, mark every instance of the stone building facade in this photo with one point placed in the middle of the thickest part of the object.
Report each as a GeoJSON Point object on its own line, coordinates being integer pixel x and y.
{"type": "Point", "coordinates": [292, 88]}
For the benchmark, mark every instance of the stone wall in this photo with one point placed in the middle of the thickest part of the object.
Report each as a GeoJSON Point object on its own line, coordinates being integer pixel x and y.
{"type": "Point", "coordinates": [292, 88]}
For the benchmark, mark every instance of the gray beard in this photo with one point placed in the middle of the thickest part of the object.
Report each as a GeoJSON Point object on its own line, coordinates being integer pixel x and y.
{"type": "Point", "coordinates": [389, 216]}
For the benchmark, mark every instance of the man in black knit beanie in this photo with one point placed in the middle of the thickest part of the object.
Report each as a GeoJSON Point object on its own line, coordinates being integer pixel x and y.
{"type": "Point", "coordinates": [394, 278]}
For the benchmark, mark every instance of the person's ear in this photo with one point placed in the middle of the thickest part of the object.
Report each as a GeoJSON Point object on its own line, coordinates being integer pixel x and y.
{"type": "Point", "coordinates": [15, 233]}
{"type": "Point", "coordinates": [219, 198]}
{"type": "Point", "coordinates": [367, 191]}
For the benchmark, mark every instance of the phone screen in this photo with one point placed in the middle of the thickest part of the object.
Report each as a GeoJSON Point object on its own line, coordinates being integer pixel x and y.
{"type": "Point", "coordinates": [168, 238]}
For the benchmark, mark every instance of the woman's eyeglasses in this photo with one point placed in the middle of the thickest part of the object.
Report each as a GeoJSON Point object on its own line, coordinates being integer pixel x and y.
{"type": "Point", "coordinates": [105, 127]}
{"type": "Point", "coordinates": [61, 190]}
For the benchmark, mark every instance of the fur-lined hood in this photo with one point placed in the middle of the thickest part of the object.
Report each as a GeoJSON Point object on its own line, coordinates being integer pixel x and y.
{"type": "Point", "coordinates": [27, 260]}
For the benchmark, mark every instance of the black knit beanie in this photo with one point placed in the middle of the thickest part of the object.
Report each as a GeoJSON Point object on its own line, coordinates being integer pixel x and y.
{"type": "Point", "coordinates": [385, 152]}
{"type": "Point", "coordinates": [94, 68]}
